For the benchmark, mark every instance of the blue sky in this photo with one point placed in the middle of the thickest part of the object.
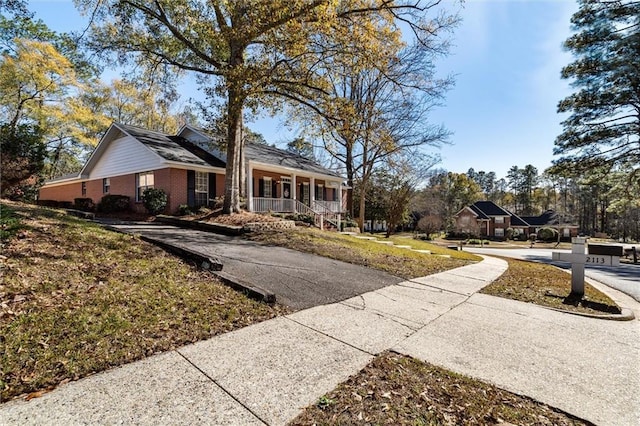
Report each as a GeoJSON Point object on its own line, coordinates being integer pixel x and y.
{"type": "Point", "coordinates": [507, 57]}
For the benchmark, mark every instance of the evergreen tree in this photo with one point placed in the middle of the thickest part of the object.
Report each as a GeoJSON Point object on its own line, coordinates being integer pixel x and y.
{"type": "Point", "coordinates": [604, 126]}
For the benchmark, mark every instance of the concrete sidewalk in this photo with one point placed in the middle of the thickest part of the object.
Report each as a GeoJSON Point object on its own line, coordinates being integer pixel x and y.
{"type": "Point", "coordinates": [268, 372]}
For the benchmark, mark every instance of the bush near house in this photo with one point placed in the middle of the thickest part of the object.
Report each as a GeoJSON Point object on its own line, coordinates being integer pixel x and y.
{"type": "Point", "coordinates": [84, 204]}
{"type": "Point", "coordinates": [112, 203]}
{"type": "Point", "coordinates": [154, 200]}
{"type": "Point", "coordinates": [548, 234]}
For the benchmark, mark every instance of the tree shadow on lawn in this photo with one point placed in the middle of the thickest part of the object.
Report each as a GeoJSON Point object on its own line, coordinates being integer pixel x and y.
{"type": "Point", "coordinates": [576, 300]}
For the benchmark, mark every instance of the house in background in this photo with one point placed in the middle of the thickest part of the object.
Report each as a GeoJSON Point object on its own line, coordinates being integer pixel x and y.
{"type": "Point", "coordinates": [487, 219]}
{"type": "Point", "coordinates": [129, 159]}
{"type": "Point", "coordinates": [483, 218]}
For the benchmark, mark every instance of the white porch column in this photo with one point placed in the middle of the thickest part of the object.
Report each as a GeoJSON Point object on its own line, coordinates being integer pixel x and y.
{"type": "Point", "coordinates": [312, 191]}
{"type": "Point", "coordinates": [340, 196]}
{"type": "Point", "coordinates": [249, 187]}
{"type": "Point", "coordinates": [294, 192]}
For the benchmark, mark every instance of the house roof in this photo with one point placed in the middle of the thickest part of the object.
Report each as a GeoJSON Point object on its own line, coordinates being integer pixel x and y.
{"type": "Point", "coordinates": [518, 221]}
{"type": "Point", "coordinates": [172, 148]}
{"type": "Point", "coordinates": [279, 157]}
{"type": "Point", "coordinates": [479, 213]}
{"type": "Point", "coordinates": [547, 218]}
{"type": "Point", "coordinates": [489, 208]}
{"type": "Point", "coordinates": [271, 155]}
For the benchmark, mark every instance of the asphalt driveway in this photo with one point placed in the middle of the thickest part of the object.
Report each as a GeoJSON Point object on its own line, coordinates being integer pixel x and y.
{"type": "Point", "coordinates": [299, 280]}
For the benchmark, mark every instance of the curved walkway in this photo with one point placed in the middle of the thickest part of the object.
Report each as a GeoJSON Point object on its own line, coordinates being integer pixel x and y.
{"type": "Point", "coordinates": [268, 372]}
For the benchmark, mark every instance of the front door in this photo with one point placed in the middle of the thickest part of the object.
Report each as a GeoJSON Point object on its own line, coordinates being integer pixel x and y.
{"type": "Point", "coordinates": [286, 188]}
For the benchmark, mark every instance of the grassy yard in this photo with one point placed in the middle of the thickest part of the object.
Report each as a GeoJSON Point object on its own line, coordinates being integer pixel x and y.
{"type": "Point", "coordinates": [396, 261]}
{"type": "Point", "coordinates": [548, 286]}
{"type": "Point", "coordinates": [398, 390]}
{"type": "Point", "coordinates": [76, 299]}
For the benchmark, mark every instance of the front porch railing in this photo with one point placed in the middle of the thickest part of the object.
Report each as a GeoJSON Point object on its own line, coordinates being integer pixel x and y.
{"type": "Point", "coordinates": [321, 211]}
{"type": "Point", "coordinates": [277, 205]}
{"type": "Point", "coordinates": [326, 206]}
{"type": "Point", "coordinates": [285, 205]}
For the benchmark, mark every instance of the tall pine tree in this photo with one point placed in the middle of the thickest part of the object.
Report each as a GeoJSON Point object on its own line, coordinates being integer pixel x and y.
{"type": "Point", "coordinates": [603, 130]}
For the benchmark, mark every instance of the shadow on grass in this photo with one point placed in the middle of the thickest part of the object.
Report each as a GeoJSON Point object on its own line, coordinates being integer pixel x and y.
{"type": "Point", "coordinates": [576, 300]}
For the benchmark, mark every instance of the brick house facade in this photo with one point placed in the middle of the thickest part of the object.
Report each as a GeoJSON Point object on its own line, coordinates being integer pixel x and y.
{"type": "Point", "coordinates": [129, 159]}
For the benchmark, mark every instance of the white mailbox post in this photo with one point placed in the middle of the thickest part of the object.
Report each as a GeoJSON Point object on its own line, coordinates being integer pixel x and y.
{"type": "Point", "coordinates": [578, 258]}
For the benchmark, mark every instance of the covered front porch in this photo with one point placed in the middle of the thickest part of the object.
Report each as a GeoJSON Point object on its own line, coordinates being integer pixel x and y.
{"type": "Point", "coordinates": [285, 191]}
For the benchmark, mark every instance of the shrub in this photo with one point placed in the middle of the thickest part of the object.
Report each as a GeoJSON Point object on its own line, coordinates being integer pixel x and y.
{"type": "Point", "coordinates": [154, 200]}
{"type": "Point", "coordinates": [184, 210]}
{"type": "Point", "coordinates": [217, 202]}
{"type": "Point", "coordinates": [548, 234]}
{"type": "Point", "coordinates": [84, 204]}
{"type": "Point", "coordinates": [297, 217]}
{"type": "Point", "coordinates": [114, 203]}
{"type": "Point", "coordinates": [48, 203]}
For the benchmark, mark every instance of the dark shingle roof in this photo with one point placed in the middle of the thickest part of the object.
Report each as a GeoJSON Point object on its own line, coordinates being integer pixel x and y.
{"type": "Point", "coordinates": [176, 148]}
{"type": "Point", "coordinates": [279, 157]}
{"type": "Point", "coordinates": [172, 148]}
{"type": "Point", "coordinates": [479, 212]}
{"type": "Point", "coordinates": [518, 221]}
{"type": "Point", "coordinates": [547, 218]}
{"type": "Point", "coordinates": [489, 208]}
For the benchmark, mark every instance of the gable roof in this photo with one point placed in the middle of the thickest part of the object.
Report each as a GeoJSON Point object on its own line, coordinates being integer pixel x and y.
{"type": "Point", "coordinates": [518, 221]}
{"type": "Point", "coordinates": [172, 148]}
{"type": "Point", "coordinates": [489, 208]}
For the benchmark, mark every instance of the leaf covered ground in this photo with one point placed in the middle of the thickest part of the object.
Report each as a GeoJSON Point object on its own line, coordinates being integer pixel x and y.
{"type": "Point", "coordinates": [398, 390]}
{"type": "Point", "coordinates": [76, 299]}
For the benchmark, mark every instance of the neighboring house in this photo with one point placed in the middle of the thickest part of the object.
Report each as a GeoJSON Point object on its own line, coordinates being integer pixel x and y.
{"type": "Point", "coordinates": [129, 159]}
{"type": "Point", "coordinates": [487, 219]}
{"type": "Point", "coordinates": [484, 218]}
{"type": "Point", "coordinates": [551, 219]}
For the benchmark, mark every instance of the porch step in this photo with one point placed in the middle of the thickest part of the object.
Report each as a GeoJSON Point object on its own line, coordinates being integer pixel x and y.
{"type": "Point", "coordinates": [348, 233]}
{"type": "Point", "coordinates": [387, 243]}
{"type": "Point", "coordinates": [404, 247]}
{"type": "Point", "coordinates": [361, 237]}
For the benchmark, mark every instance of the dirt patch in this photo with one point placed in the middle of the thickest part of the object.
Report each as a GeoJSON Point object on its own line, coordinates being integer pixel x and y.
{"type": "Point", "coordinates": [399, 390]}
{"type": "Point", "coordinates": [235, 219]}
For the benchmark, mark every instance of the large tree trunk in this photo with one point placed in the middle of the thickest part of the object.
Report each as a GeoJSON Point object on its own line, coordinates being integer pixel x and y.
{"type": "Point", "coordinates": [235, 104]}
{"type": "Point", "coordinates": [363, 194]}
{"type": "Point", "coordinates": [349, 167]}
{"type": "Point", "coordinates": [234, 153]}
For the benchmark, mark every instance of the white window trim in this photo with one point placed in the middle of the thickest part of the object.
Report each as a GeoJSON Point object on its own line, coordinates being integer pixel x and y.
{"type": "Point", "coordinates": [138, 186]}
{"type": "Point", "coordinates": [266, 187]}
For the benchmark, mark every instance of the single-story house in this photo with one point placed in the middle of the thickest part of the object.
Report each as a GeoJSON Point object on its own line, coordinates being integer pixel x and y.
{"type": "Point", "coordinates": [188, 167]}
{"type": "Point", "coordinates": [487, 219]}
